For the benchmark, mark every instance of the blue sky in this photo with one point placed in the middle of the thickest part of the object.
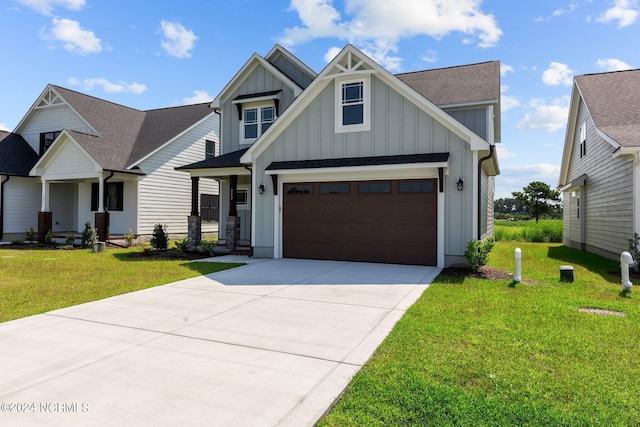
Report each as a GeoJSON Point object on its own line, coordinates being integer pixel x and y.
{"type": "Point", "coordinates": [158, 54]}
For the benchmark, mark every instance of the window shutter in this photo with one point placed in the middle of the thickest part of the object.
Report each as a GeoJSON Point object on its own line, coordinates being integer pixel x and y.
{"type": "Point", "coordinates": [94, 196]}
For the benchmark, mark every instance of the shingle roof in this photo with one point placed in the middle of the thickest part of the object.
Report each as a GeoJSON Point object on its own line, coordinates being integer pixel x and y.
{"type": "Point", "coordinates": [360, 161]}
{"type": "Point", "coordinates": [126, 134]}
{"type": "Point", "coordinates": [229, 160]}
{"type": "Point", "coordinates": [613, 100]}
{"type": "Point", "coordinates": [464, 84]}
{"type": "Point", "coordinates": [16, 155]}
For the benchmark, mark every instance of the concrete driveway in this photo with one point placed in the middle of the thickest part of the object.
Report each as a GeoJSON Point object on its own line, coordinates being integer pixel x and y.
{"type": "Point", "coordinates": [271, 343]}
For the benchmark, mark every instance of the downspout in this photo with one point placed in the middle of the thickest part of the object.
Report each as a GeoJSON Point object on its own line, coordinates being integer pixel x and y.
{"type": "Point", "coordinates": [480, 162]}
{"type": "Point", "coordinates": [2, 206]}
{"type": "Point", "coordinates": [252, 212]}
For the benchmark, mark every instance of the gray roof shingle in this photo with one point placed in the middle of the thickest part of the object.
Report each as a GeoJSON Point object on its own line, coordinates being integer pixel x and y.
{"type": "Point", "coordinates": [16, 155]}
{"type": "Point", "coordinates": [464, 84]}
{"type": "Point", "coordinates": [229, 160]}
{"type": "Point", "coordinates": [613, 100]}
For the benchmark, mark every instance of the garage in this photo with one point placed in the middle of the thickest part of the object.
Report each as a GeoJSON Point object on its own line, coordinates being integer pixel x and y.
{"type": "Point", "coordinates": [390, 221]}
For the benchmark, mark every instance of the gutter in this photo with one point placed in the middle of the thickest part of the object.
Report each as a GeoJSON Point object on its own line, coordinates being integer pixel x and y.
{"type": "Point", "coordinates": [480, 162]}
{"type": "Point", "coordinates": [2, 206]}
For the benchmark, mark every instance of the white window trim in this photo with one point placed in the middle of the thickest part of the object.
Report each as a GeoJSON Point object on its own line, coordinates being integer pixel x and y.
{"type": "Point", "coordinates": [247, 205]}
{"type": "Point", "coordinates": [366, 98]}
{"type": "Point", "coordinates": [259, 106]}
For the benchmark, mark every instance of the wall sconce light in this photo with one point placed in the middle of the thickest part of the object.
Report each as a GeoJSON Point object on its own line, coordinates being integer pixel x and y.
{"type": "Point", "coordinates": [261, 188]}
{"type": "Point", "coordinates": [460, 184]}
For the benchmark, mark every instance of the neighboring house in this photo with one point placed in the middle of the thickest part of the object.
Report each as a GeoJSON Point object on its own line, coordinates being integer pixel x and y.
{"type": "Point", "coordinates": [356, 163]}
{"type": "Point", "coordinates": [74, 158]}
{"type": "Point", "coordinates": [599, 175]}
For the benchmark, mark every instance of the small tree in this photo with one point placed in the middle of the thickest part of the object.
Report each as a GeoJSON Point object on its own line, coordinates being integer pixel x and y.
{"type": "Point", "coordinates": [159, 239]}
{"type": "Point", "coordinates": [539, 197]}
{"type": "Point", "coordinates": [89, 235]}
{"type": "Point", "coordinates": [477, 253]}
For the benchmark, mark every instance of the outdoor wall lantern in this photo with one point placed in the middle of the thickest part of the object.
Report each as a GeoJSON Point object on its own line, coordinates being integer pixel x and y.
{"type": "Point", "coordinates": [460, 184]}
{"type": "Point", "coordinates": [261, 189]}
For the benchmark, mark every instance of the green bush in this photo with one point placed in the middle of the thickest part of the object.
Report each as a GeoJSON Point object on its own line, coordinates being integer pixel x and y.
{"type": "Point", "coordinates": [208, 247]}
{"type": "Point", "coordinates": [182, 245]}
{"type": "Point", "coordinates": [545, 231]}
{"type": "Point", "coordinates": [89, 236]}
{"type": "Point", "coordinates": [71, 238]}
{"type": "Point", "coordinates": [159, 239]}
{"type": "Point", "coordinates": [477, 253]}
{"type": "Point", "coordinates": [31, 235]}
{"type": "Point", "coordinates": [129, 237]}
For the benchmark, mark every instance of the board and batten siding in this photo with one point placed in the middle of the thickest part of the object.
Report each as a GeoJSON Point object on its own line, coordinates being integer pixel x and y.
{"type": "Point", "coordinates": [292, 70]}
{"type": "Point", "coordinates": [475, 119]}
{"type": "Point", "coordinates": [608, 195]}
{"type": "Point", "coordinates": [52, 119]}
{"type": "Point", "coordinates": [397, 127]}
{"type": "Point", "coordinates": [258, 81]}
{"type": "Point", "coordinates": [22, 199]}
{"type": "Point", "coordinates": [164, 194]}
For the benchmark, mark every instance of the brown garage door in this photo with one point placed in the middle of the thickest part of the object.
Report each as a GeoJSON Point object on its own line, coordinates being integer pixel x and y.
{"type": "Point", "coordinates": [374, 221]}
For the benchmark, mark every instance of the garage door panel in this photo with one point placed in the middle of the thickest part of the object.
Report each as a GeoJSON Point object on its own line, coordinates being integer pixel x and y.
{"type": "Point", "coordinates": [389, 227]}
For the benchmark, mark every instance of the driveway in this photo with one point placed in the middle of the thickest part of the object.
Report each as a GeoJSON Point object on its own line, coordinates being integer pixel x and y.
{"type": "Point", "coordinates": [273, 342]}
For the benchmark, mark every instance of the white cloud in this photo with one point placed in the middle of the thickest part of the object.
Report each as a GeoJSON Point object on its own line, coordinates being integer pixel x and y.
{"type": "Point", "coordinates": [199, 96]}
{"type": "Point", "coordinates": [109, 87]}
{"type": "Point", "coordinates": [331, 53]}
{"type": "Point", "coordinates": [558, 74]}
{"type": "Point", "coordinates": [377, 26]}
{"type": "Point", "coordinates": [504, 69]}
{"type": "Point", "coordinates": [46, 7]}
{"type": "Point", "coordinates": [178, 41]}
{"type": "Point", "coordinates": [74, 38]}
{"type": "Point", "coordinates": [572, 6]}
{"type": "Point", "coordinates": [624, 11]}
{"type": "Point", "coordinates": [549, 117]}
{"type": "Point", "coordinates": [515, 178]}
{"type": "Point", "coordinates": [3, 126]}
{"type": "Point", "coordinates": [430, 56]}
{"type": "Point", "coordinates": [612, 64]}
{"type": "Point", "coordinates": [504, 152]}
{"type": "Point", "coordinates": [507, 102]}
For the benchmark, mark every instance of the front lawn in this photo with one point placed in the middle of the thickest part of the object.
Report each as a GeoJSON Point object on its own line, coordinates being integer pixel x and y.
{"type": "Point", "coordinates": [36, 281]}
{"type": "Point", "coordinates": [473, 352]}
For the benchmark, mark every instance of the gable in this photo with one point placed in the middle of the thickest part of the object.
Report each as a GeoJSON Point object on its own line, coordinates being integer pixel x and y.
{"type": "Point", "coordinates": [291, 66]}
{"type": "Point", "coordinates": [66, 159]}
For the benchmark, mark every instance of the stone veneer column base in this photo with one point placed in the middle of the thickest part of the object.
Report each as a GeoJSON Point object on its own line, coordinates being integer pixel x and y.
{"type": "Point", "coordinates": [194, 232]}
{"type": "Point", "coordinates": [45, 225]}
{"type": "Point", "coordinates": [102, 226]}
{"type": "Point", "coordinates": [233, 232]}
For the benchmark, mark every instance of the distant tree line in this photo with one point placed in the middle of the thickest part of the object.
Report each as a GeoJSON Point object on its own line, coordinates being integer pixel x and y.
{"type": "Point", "coordinates": [536, 201]}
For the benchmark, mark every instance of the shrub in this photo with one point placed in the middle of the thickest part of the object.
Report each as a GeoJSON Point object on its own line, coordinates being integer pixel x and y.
{"type": "Point", "coordinates": [182, 245]}
{"type": "Point", "coordinates": [477, 253]}
{"type": "Point", "coordinates": [71, 238]}
{"type": "Point", "coordinates": [48, 238]}
{"type": "Point", "coordinates": [89, 236]}
{"type": "Point", "coordinates": [634, 249]}
{"type": "Point", "coordinates": [208, 247]}
{"type": "Point", "coordinates": [31, 235]}
{"type": "Point", "coordinates": [129, 237]}
{"type": "Point", "coordinates": [159, 239]}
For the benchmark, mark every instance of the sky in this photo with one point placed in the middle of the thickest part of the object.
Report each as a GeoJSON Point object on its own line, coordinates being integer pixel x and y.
{"type": "Point", "coordinates": [158, 54]}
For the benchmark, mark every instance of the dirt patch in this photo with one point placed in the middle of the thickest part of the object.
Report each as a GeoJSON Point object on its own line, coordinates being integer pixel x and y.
{"type": "Point", "coordinates": [168, 255]}
{"type": "Point", "coordinates": [602, 311]}
{"type": "Point", "coordinates": [485, 272]}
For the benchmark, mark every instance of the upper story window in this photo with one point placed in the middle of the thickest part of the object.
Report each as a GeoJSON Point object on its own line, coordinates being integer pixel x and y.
{"type": "Point", "coordinates": [353, 104]}
{"type": "Point", "coordinates": [256, 120]}
{"type": "Point", "coordinates": [583, 140]}
{"type": "Point", "coordinates": [210, 149]}
{"type": "Point", "coordinates": [46, 139]}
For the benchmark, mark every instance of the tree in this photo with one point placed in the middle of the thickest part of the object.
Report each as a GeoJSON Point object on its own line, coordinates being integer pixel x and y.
{"type": "Point", "coordinates": [539, 197]}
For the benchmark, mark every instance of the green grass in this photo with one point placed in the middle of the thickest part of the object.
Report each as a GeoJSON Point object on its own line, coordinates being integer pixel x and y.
{"type": "Point", "coordinates": [36, 281]}
{"type": "Point", "coordinates": [473, 352]}
{"type": "Point", "coordinates": [544, 231]}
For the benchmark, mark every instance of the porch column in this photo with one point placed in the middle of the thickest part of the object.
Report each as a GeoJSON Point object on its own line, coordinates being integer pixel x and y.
{"type": "Point", "coordinates": [101, 218]}
{"type": "Point", "coordinates": [233, 220]}
{"type": "Point", "coordinates": [194, 222]}
{"type": "Point", "coordinates": [45, 216]}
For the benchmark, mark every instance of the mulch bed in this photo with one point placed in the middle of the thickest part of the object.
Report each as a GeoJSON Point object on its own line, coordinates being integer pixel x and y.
{"type": "Point", "coordinates": [485, 272]}
{"type": "Point", "coordinates": [168, 255]}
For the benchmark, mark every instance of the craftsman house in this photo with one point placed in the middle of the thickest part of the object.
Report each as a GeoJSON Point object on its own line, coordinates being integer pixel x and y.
{"type": "Point", "coordinates": [599, 174]}
{"type": "Point", "coordinates": [74, 158]}
{"type": "Point", "coordinates": [355, 163]}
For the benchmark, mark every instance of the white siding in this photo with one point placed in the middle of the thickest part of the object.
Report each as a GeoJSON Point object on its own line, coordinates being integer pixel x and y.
{"type": "Point", "coordinates": [608, 198]}
{"type": "Point", "coordinates": [62, 202]}
{"type": "Point", "coordinates": [69, 162]}
{"type": "Point", "coordinates": [22, 202]}
{"type": "Point", "coordinates": [164, 193]}
{"type": "Point", "coordinates": [52, 119]}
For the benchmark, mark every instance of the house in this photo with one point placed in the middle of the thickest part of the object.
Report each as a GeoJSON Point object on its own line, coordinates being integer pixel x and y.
{"type": "Point", "coordinates": [75, 158]}
{"type": "Point", "coordinates": [355, 163]}
{"type": "Point", "coordinates": [599, 175]}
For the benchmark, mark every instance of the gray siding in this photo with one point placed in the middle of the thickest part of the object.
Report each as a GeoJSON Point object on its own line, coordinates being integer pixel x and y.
{"type": "Point", "coordinates": [291, 70]}
{"type": "Point", "coordinates": [259, 80]}
{"type": "Point", "coordinates": [486, 205]}
{"type": "Point", "coordinates": [397, 127]}
{"type": "Point", "coordinates": [608, 199]}
{"type": "Point", "coordinates": [475, 119]}
{"type": "Point", "coordinates": [244, 212]}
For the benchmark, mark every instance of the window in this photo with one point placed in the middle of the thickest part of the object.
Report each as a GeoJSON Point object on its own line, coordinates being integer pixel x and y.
{"type": "Point", "coordinates": [46, 139]}
{"type": "Point", "coordinates": [374, 187]}
{"type": "Point", "coordinates": [209, 207]}
{"type": "Point", "coordinates": [352, 105]}
{"type": "Point", "coordinates": [415, 187]}
{"type": "Point", "coordinates": [114, 192]}
{"type": "Point", "coordinates": [242, 197]}
{"type": "Point", "coordinates": [210, 149]}
{"type": "Point", "coordinates": [583, 140]}
{"type": "Point", "coordinates": [256, 121]}
{"type": "Point", "coordinates": [334, 188]}
{"type": "Point", "coordinates": [298, 188]}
